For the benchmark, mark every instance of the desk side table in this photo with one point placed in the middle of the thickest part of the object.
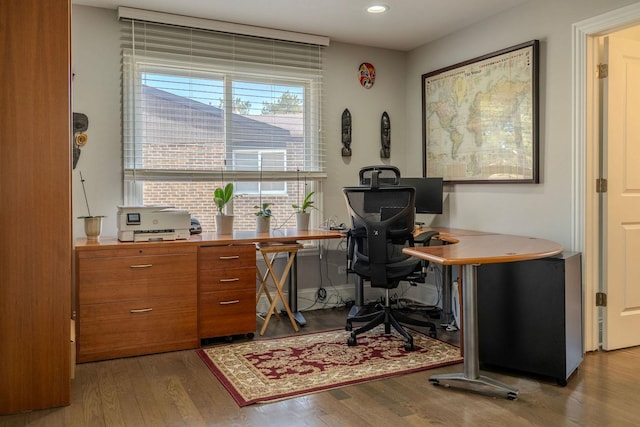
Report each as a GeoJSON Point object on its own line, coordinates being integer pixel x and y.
{"type": "Point", "coordinates": [531, 316]}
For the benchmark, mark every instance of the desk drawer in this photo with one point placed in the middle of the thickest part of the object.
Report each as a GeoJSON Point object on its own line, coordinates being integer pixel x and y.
{"type": "Point", "coordinates": [228, 279]}
{"type": "Point", "coordinates": [226, 313]}
{"type": "Point", "coordinates": [140, 277]}
{"type": "Point", "coordinates": [130, 328]}
{"type": "Point", "coordinates": [140, 249]}
{"type": "Point", "coordinates": [233, 256]}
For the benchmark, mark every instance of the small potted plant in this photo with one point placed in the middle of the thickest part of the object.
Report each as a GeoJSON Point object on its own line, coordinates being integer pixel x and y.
{"type": "Point", "coordinates": [302, 216]}
{"type": "Point", "coordinates": [263, 218]}
{"type": "Point", "coordinates": [92, 223]}
{"type": "Point", "coordinates": [222, 196]}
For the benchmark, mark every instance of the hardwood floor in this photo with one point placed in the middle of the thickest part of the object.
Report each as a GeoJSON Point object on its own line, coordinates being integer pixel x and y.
{"type": "Point", "coordinates": [177, 389]}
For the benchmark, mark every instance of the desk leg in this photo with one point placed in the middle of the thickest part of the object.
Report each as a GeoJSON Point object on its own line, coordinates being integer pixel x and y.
{"type": "Point", "coordinates": [471, 379]}
{"type": "Point", "coordinates": [293, 294]}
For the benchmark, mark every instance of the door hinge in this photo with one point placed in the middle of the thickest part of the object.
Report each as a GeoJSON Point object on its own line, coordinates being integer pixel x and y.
{"type": "Point", "coordinates": [601, 185]}
{"type": "Point", "coordinates": [601, 299]}
{"type": "Point", "coordinates": [603, 71]}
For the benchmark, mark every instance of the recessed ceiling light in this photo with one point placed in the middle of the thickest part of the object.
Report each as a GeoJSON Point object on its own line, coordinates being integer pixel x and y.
{"type": "Point", "coordinates": [378, 8]}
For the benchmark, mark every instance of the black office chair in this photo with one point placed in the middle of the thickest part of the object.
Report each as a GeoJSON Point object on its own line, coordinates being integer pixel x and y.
{"type": "Point", "coordinates": [383, 221]}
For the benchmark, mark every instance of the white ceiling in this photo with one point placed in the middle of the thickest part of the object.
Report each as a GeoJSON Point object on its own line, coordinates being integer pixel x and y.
{"type": "Point", "coordinates": [407, 25]}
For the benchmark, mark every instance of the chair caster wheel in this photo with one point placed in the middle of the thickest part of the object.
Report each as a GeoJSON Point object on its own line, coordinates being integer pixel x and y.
{"type": "Point", "coordinates": [348, 327]}
{"type": "Point", "coordinates": [250, 335]}
{"type": "Point", "coordinates": [351, 341]}
{"type": "Point", "coordinates": [433, 334]}
{"type": "Point", "coordinates": [408, 346]}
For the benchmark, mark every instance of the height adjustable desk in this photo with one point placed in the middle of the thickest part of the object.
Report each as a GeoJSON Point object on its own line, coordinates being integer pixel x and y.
{"type": "Point", "coordinates": [469, 250]}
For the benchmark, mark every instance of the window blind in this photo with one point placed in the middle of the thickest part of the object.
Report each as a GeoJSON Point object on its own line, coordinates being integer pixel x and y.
{"type": "Point", "coordinates": [198, 103]}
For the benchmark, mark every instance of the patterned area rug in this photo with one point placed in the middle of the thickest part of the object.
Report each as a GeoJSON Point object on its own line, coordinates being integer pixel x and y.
{"type": "Point", "coordinates": [269, 370]}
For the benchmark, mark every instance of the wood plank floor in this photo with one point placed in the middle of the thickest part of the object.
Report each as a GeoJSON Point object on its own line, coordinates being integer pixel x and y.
{"type": "Point", "coordinates": [177, 389]}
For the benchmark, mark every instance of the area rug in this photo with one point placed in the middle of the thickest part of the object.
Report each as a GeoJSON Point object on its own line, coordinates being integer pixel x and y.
{"type": "Point", "coordinates": [269, 370]}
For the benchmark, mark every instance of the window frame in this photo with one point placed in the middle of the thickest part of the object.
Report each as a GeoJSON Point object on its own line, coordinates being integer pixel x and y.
{"type": "Point", "coordinates": [136, 175]}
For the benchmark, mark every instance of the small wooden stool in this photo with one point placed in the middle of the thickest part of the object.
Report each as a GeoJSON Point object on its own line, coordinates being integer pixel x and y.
{"type": "Point", "coordinates": [291, 249]}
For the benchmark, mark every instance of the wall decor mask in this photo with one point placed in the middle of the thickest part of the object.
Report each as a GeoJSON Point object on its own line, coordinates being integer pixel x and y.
{"type": "Point", "coordinates": [367, 75]}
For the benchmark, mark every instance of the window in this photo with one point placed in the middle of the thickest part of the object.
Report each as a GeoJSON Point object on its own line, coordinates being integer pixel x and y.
{"type": "Point", "coordinates": [202, 108]}
{"type": "Point", "coordinates": [261, 160]}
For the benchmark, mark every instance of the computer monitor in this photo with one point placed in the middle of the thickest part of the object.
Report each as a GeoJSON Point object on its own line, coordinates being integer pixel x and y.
{"type": "Point", "coordinates": [428, 194]}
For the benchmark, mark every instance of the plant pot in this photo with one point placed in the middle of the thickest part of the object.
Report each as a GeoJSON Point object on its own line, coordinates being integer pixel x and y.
{"type": "Point", "coordinates": [224, 224]}
{"type": "Point", "coordinates": [92, 227]}
{"type": "Point", "coordinates": [263, 224]}
{"type": "Point", "coordinates": [302, 220]}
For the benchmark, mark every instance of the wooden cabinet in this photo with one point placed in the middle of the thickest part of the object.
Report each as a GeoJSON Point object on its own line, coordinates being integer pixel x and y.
{"type": "Point", "coordinates": [226, 290]}
{"type": "Point", "coordinates": [35, 172]}
{"type": "Point", "coordinates": [136, 301]}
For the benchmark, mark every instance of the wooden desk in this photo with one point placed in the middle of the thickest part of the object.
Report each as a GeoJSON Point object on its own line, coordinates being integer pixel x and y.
{"type": "Point", "coordinates": [469, 249]}
{"type": "Point", "coordinates": [284, 235]}
{"type": "Point", "coordinates": [137, 298]}
{"type": "Point", "coordinates": [238, 237]}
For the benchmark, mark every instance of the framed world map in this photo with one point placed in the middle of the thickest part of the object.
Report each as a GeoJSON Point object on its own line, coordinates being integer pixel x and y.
{"type": "Point", "coordinates": [480, 118]}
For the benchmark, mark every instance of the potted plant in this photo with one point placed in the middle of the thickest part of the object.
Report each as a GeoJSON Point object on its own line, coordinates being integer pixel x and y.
{"type": "Point", "coordinates": [222, 196]}
{"type": "Point", "coordinates": [92, 223]}
{"type": "Point", "coordinates": [263, 218]}
{"type": "Point", "coordinates": [302, 216]}
{"type": "Point", "coordinates": [92, 227]}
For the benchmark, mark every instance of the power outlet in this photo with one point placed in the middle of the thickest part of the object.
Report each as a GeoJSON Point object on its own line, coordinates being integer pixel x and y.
{"type": "Point", "coordinates": [342, 269]}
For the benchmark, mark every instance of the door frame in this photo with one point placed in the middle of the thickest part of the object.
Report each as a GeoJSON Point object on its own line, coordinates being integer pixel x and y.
{"type": "Point", "coordinates": [585, 206]}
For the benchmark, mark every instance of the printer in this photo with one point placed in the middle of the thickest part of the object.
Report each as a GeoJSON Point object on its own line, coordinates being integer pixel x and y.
{"type": "Point", "coordinates": [152, 223]}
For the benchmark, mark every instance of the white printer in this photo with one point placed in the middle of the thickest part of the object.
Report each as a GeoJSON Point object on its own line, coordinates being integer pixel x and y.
{"type": "Point", "coordinates": [152, 222]}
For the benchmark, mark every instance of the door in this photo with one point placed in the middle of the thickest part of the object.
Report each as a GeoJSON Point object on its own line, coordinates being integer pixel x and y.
{"type": "Point", "coordinates": [621, 216]}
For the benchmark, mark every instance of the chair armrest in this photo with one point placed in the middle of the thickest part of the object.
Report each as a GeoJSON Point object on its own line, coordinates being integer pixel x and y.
{"type": "Point", "coordinates": [425, 237]}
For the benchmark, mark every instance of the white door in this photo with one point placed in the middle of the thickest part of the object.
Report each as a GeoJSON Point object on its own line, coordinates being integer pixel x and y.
{"type": "Point", "coordinates": [621, 216]}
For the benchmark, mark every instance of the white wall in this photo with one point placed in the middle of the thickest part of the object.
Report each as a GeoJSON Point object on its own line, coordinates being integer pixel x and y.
{"type": "Point", "coordinates": [542, 210]}
{"type": "Point", "coordinates": [95, 63]}
{"type": "Point", "coordinates": [343, 90]}
{"type": "Point", "coordinates": [96, 92]}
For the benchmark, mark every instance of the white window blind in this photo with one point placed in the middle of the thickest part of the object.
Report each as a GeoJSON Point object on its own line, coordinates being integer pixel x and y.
{"type": "Point", "coordinates": [201, 106]}
{"type": "Point", "coordinates": [192, 97]}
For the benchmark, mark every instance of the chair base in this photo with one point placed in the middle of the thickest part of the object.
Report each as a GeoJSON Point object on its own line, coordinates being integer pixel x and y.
{"type": "Point", "coordinates": [389, 318]}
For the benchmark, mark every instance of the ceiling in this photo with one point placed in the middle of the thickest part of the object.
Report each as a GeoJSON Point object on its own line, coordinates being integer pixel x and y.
{"type": "Point", "coordinates": [407, 25]}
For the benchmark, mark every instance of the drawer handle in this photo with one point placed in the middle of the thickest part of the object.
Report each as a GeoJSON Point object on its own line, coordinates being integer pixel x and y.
{"type": "Point", "coordinates": [235, 301]}
{"type": "Point", "coordinates": [234, 279]}
{"type": "Point", "coordinates": [141, 265]}
{"type": "Point", "coordinates": [140, 310]}
{"type": "Point", "coordinates": [229, 257]}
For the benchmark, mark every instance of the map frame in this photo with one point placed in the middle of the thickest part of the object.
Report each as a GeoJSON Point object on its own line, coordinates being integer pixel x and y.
{"type": "Point", "coordinates": [512, 160]}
